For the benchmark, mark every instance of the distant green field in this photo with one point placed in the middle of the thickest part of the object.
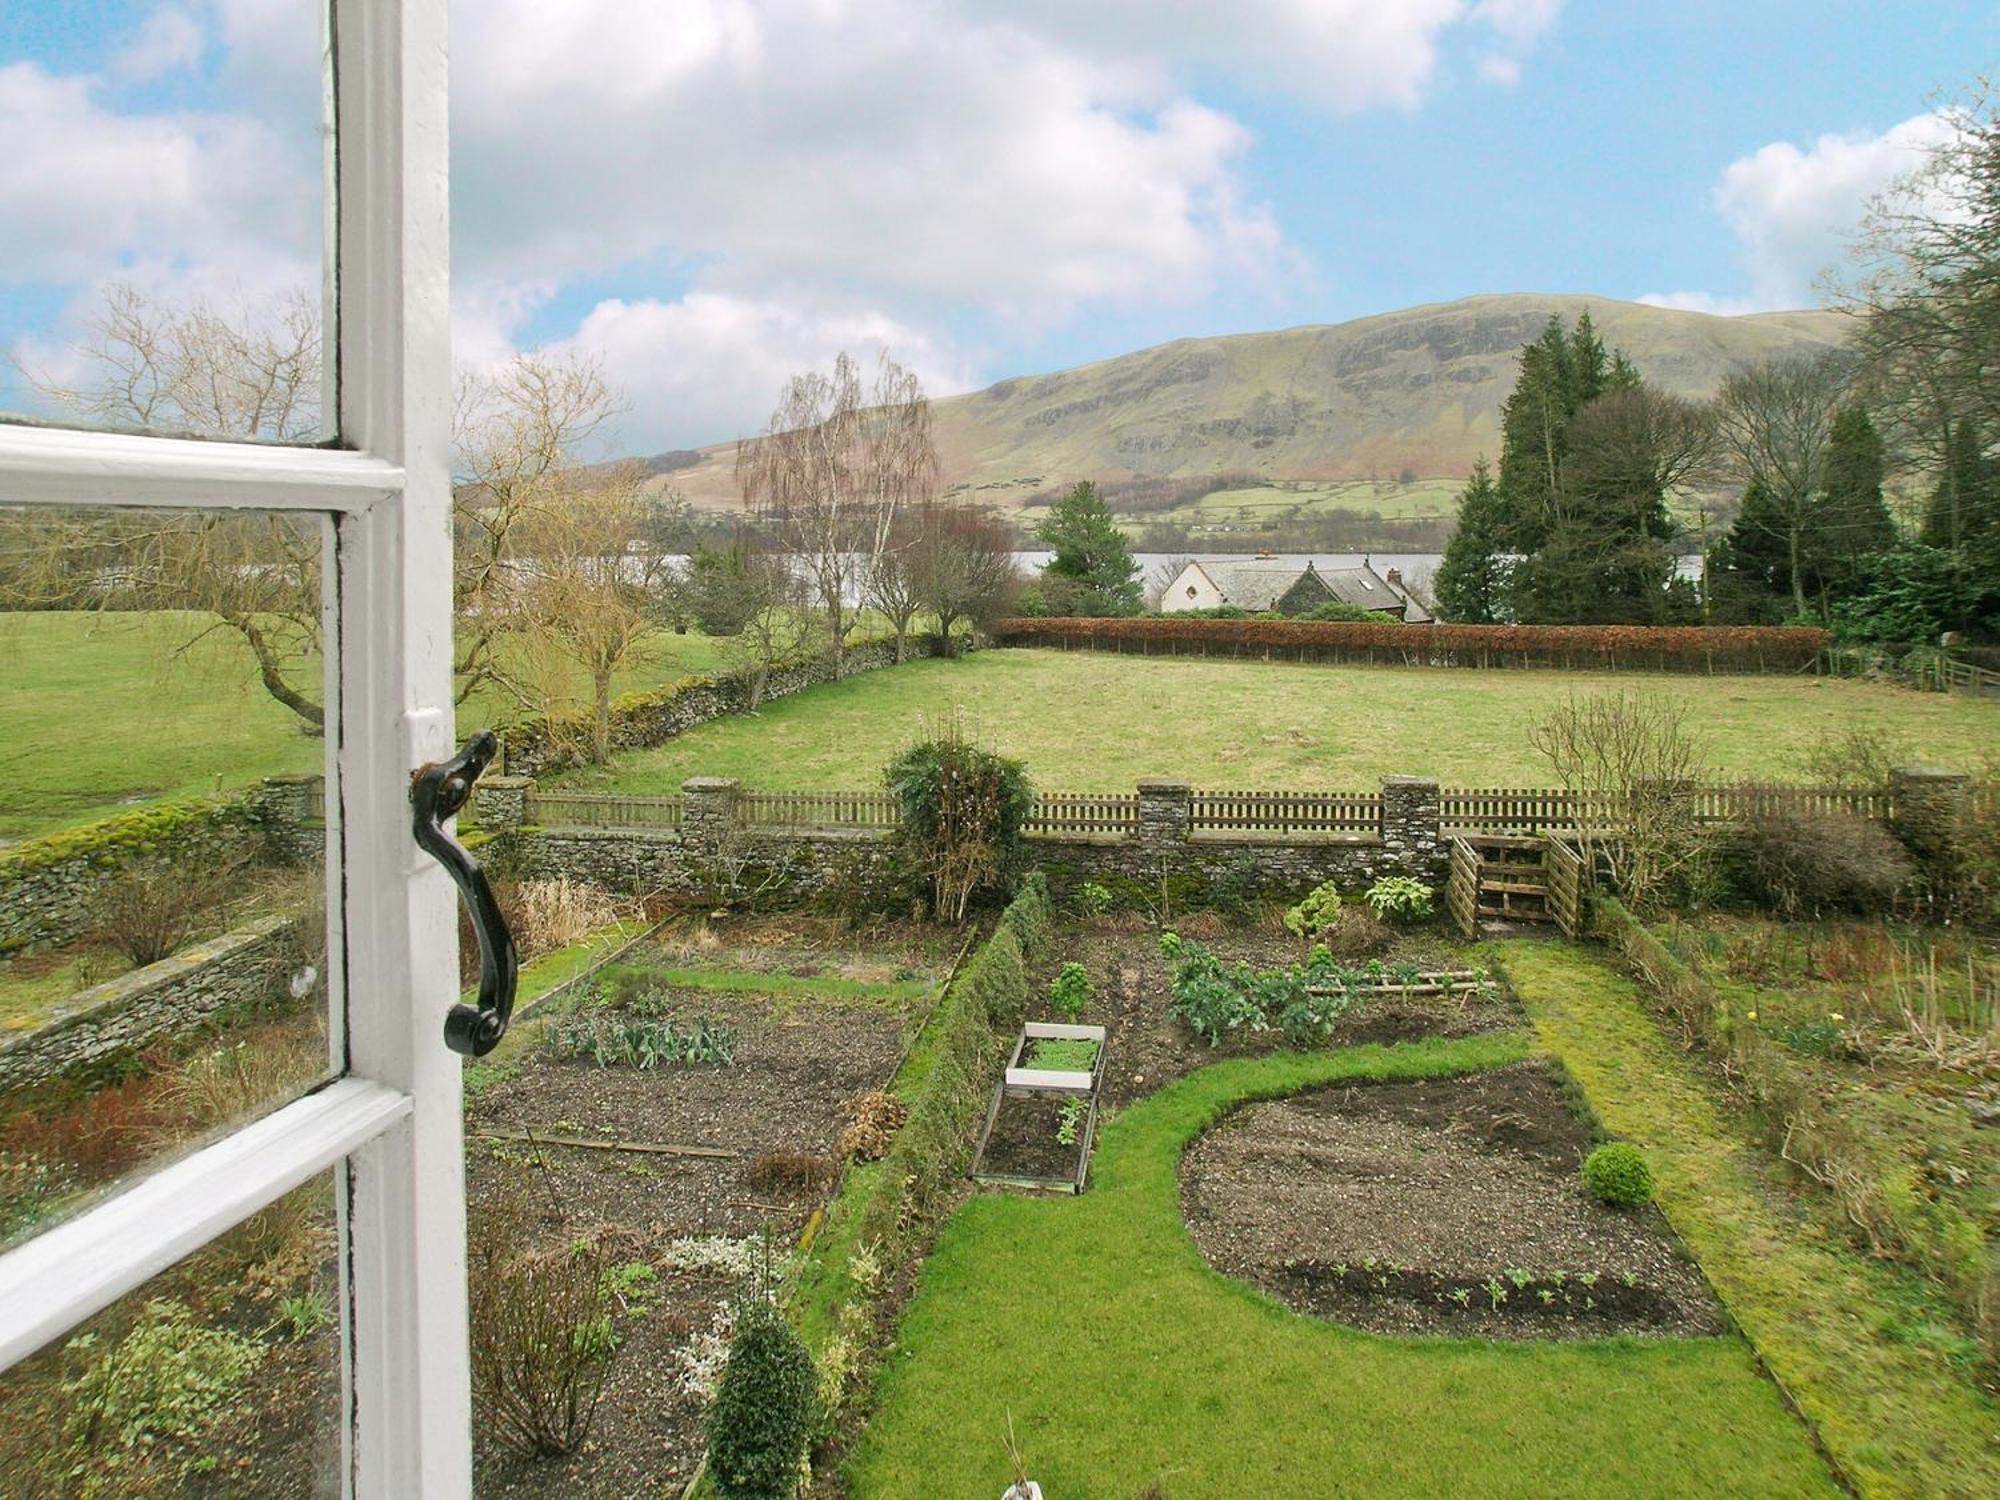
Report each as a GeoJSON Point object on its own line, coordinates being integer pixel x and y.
{"type": "Point", "coordinates": [102, 711]}
{"type": "Point", "coordinates": [1100, 722]}
{"type": "Point", "coordinates": [1423, 500]}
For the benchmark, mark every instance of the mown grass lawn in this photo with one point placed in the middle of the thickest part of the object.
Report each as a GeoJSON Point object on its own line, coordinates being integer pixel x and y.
{"type": "Point", "coordinates": [1124, 1360]}
{"type": "Point", "coordinates": [103, 711]}
{"type": "Point", "coordinates": [1102, 722]}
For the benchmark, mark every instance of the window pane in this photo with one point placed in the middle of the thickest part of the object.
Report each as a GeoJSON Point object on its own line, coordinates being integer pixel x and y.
{"type": "Point", "coordinates": [162, 843]}
{"type": "Point", "coordinates": [163, 218]}
{"type": "Point", "coordinates": [220, 1376]}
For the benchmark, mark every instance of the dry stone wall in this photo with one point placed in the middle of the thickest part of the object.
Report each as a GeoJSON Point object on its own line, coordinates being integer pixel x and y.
{"type": "Point", "coordinates": [161, 1002]}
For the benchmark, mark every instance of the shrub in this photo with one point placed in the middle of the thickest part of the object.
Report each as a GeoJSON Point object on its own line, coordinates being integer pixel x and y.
{"type": "Point", "coordinates": [1810, 864]}
{"type": "Point", "coordinates": [162, 1383]}
{"type": "Point", "coordinates": [541, 1338]}
{"type": "Point", "coordinates": [764, 1408]}
{"type": "Point", "coordinates": [963, 810]}
{"type": "Point", "coordinates": [1092, 899]}
{"type": "Point", "coordinates": [1070, 991]}
{"type": "Point", "coordinates": [1697, 648]}
{"type": "Point", "coordinates": [1357, 933]}
{"type": "Point", "coordinates": [153, 906]}
{"type": "Point", "coordinates": [1401, 898]}
{"type": "Point", "coordinates": [1315, 914]}
{"type": "Point", "coordinates": [1618, 1175]}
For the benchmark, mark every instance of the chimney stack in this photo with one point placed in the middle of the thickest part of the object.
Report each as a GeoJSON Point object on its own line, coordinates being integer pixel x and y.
{"type": "Point", "coordinates": [1394, 578]}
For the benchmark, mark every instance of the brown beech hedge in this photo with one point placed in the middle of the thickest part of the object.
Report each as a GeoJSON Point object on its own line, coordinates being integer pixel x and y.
{"type": "Point", "coordinates": [1660, 648]}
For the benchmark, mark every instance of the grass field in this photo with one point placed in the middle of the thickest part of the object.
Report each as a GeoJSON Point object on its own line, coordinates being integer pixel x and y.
{"type": "Point", "coordinates": [1123, 1360]}
{"type": "Point", "coordinates": [1101, 722]}
{"type": "Point", "coordinates": [101, 711]}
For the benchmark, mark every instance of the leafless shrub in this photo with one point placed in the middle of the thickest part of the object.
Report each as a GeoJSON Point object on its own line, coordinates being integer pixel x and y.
{"type": "Point", "coordinates": [872, 1123]}
{"type": "Point", "coordinates": [542, 1336]}
{"type": "Point", "coordinates": [1854, 755]}
{"type": "Point", "coordinates": [1636, 757]}
{"type": "Point", "coordinates": [154, 906]}
{"type": "Point", "coordinates": [1809, 864]}
{"type": "Point", "coordinates": [789, 1172]}
{"type": "Point", "coordinates": [1357, 932]}
{"type": "Point", "coordinates": [552, 914]}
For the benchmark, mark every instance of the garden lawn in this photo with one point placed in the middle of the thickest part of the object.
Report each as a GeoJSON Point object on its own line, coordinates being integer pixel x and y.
{"type": "Point", "coordinates": [102, 711]}
{"type": "Point", "coordinates": [1832, 1326]}
{"type": "Point", "coordinates": [1102, 722]}
{"type": "Point", "coordinates": [1123, 1359]}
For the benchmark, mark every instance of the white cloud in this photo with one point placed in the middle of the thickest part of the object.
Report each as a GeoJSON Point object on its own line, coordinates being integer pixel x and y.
{"type": "Point", "coordinates": [1794, 210]}
{"type": "Point", "coordinates": [710, 365]}
{"type": "Point", "coordinates": [99, 187]}
{"type": "Point", "coordinates": [1505, 71]}
{"type": "Point", "coordinates": [891, 150]}
{"type": "Point", "coordinates": [1520, 22]}
{"type": "Point", "coordinates": [1702, 302]}
{"type": "Point", "coordinates": [168, 39]}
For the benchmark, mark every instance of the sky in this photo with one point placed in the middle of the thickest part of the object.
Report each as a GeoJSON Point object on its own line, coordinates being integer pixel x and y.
{"type": "Point", "coordinates": [708, 195]}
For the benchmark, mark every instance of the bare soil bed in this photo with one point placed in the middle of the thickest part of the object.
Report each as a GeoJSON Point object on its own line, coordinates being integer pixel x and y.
{"type": "Point", "coordinates": [1147, 1049]}
{"type": "Point", "coordinates": [1446, 1206]}
{"type": "Point", "coordinates": [772, 1119]}
{"type": "Point", "coordinates": [1026, 1139]}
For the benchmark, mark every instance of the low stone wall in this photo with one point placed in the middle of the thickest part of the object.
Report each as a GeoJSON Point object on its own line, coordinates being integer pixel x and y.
{"type": "Point", "coordinates": [642, 720]}
{"type": "Point", "coordinates": [160, 1002]}
{"type": "Point", "coordinates": [714, 856]}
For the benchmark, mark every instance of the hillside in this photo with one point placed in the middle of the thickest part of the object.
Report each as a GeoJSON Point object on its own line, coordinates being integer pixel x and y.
{"type": "Point", "coordinates": [1411, 392]}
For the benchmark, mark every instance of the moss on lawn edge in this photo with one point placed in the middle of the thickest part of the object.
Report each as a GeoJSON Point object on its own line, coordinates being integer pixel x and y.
{"type": "Point", "coordinates": [1894, 1417]}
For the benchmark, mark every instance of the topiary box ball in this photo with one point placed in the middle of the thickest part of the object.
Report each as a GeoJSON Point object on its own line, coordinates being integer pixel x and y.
{"type": "Point", "coordinates": [1617, 1174]}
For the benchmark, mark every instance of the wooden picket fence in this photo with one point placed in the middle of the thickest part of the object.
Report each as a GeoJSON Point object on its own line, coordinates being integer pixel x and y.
{"type": "Point", "coordinates": [1061, 814]}
{"type": "Point", "coordinates": [819, 810]}
{"type": "Point", "coordinates": [1286, 812]}
{"type": "Point", "coordinates": [554, 808]}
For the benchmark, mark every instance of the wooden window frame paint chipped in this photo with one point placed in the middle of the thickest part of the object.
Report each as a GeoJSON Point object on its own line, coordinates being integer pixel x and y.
{"type": "Point", "coordinates": [389, 1123]}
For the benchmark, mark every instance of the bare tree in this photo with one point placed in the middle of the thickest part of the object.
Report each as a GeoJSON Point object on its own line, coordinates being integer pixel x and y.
{"type": "Point", "coordinates": [257, 375]}
{"type": "Point", "coordinates": [893, 587]}
{"type": "Point", "coordinates": [197, 369]}
{"type": "Point", "coordinates": [587, 586]}
{"type": "Point", "coordinates": [780, 625]}
{"type": "Point", "coordinates": [965, 569]}
{"type": "Point", "coordinates": [517, 432]}
{"type": "Point", "coordinates": [1636, 756]}
{"type": "Point", "coordinates": [1777, 421]}
{"type": "Point", "coordinates": [833, 469]}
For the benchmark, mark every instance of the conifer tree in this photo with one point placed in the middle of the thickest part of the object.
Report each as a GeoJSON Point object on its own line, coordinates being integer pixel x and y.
{"type": "Point", "coordinates": [1471, 580]}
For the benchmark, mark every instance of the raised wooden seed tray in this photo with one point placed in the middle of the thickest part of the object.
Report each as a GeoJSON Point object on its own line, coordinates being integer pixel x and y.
{"type": "Point", "coordinates": [1024, 1082]}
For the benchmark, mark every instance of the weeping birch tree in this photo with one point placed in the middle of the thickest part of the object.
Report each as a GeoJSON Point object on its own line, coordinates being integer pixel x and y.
{"type": "Point", "coordinates": [834, 467]}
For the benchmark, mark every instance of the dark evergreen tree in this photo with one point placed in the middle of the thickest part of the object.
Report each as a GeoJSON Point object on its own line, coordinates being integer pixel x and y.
{"type": "Point", "coordinates": [1471, 581]}
{"type": "Point", "coordinates": [1851, 521]}
{"type": "Point", "coordinates": [1091, 553]}
{"type": "Point", "coordinates": [1965, 504]}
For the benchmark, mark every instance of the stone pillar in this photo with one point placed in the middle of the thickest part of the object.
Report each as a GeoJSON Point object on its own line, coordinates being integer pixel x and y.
{"type": "Point", "coordinates": [1166, 809]}
{"type": "Point", "coordinates": [1928, 814]}
{"type": "Point", "coordinates": [289, 811]}
{"type": "Point", "coordinates": [1412, 815]}
{"type": "Point", "coordinates": [708, 809]}
{"type": "Point", "coordinates": [500, 803]}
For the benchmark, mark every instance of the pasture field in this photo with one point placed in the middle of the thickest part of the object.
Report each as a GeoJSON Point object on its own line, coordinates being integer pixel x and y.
{"type": "Point", "coordinates": [99, 712]}
{"type": "Point", "coordinates": [1102, 722]}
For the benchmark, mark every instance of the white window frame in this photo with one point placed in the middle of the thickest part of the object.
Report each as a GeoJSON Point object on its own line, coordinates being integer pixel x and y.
{"type": "Point", "coordinates": [389, 1124]}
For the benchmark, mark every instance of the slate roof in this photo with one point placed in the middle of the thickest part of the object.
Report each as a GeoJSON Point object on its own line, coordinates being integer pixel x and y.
{"type": "Point", "coordinates": [1258, 586]}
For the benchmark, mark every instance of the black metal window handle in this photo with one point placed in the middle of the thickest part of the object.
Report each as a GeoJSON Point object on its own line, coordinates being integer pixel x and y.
{"type": "Point", "coordinates": [437, 792]}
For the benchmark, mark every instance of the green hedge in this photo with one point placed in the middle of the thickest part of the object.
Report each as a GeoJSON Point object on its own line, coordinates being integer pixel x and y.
{"type": "Point", "coordinates": [878, 1226]}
